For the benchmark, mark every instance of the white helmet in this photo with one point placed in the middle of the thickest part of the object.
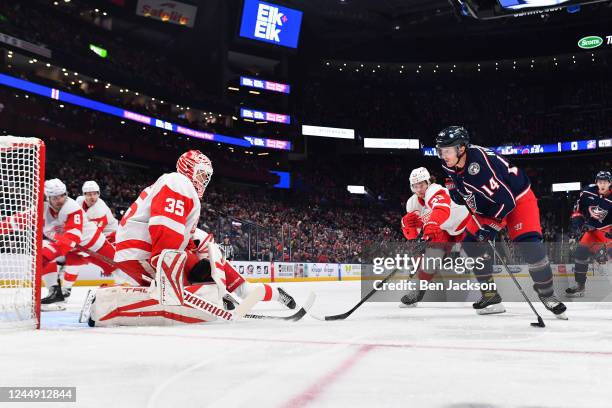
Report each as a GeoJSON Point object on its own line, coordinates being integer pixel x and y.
{"type": "Point", "coordinates": [54, 187]}
{"type": "Point", "coordinates": [90, 186]}
{"type": "Point", "coordinates": [417, 175]}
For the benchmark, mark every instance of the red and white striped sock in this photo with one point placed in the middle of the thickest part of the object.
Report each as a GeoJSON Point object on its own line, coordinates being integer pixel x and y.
{"type": "Point", "coordinates": [69, 278]}
{"type": "Point", "coordinates": [245, 289]}
{"type": "Point", "coordinates": [271, 293]}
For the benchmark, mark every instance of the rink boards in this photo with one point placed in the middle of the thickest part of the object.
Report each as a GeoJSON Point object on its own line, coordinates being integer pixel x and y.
{"type": "Point", "coordinates": [13, 273]}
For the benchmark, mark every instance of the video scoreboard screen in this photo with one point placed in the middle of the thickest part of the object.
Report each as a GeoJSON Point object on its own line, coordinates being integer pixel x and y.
{"type": "Point", "coordinates": [489, 9]}
{"type": "Point", "coordinates": [270, 23]}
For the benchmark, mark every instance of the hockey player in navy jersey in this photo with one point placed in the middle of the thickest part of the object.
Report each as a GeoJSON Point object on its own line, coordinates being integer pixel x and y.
{"type": "Point", "coordinates": [592, 217]}
{"type": "Point", "coordinates": [499, 196]}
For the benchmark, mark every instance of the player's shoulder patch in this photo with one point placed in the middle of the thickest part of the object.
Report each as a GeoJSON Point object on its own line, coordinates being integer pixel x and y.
{"type": "Point", "coordinates": [473, 168]}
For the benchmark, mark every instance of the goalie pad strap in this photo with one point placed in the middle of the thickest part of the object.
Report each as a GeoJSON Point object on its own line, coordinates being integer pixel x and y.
{"type": "Point", "coordinates": [169, 276]}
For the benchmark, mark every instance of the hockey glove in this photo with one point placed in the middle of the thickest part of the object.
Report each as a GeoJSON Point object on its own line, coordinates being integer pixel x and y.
{"type": "Point", "coordinates": [488, 232]}
{"type": "Point", "coordinates": [432, 231]}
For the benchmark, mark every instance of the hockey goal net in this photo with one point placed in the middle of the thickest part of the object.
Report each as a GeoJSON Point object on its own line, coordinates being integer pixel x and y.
{"type": "Point", "coordinates": [22, 163]}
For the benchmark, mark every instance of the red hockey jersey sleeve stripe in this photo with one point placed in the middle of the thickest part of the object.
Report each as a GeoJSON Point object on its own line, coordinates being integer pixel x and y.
{"type": "Point", "coordinates": [440, 207]}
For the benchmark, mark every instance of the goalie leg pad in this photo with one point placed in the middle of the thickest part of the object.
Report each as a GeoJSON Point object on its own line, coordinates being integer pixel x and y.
{"type": "Point", "coordinates": [134, 306]}
{"type": "Point", "coordinates": [169, 276]}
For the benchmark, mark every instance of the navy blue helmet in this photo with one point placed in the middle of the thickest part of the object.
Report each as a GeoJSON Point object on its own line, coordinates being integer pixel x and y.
{"type": "Point", "coordinates": [604, 175]}
{"type": "Point", "coordinates": [453, 136]}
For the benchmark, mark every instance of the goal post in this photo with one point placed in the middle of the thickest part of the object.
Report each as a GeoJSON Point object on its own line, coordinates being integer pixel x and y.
{"type": "Point", "coordinates": [22, 175]}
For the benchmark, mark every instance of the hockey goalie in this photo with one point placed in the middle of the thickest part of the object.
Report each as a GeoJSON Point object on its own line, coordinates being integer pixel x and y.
{"type": "Point", "coordinates": [177, 273]}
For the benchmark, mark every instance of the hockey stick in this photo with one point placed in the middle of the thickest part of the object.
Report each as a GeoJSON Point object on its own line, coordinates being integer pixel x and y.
{"type": "Point", "coordinates": [540, 322]}
{"type": "Point", "coordinates": [342, 316]}
{"type": "Point", "coordinates": [294, 317]}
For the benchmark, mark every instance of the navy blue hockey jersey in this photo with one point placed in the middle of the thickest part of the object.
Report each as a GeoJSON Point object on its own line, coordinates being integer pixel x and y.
{"type": "Point", "coordinates": [488, 184]}
{"type": "Point", "coordinates": [596, 208]}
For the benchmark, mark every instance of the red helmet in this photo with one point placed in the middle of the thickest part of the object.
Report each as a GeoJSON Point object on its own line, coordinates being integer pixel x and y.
{"type": "Point", "coordinates": [196, 167]}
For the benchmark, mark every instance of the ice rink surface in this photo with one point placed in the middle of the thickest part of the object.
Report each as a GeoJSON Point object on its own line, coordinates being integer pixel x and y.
{"type": "Point", "coordinates": [436, 355]}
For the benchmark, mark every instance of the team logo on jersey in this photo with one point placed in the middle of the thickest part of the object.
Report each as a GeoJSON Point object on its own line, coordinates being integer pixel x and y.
{"type": "Point", "coordinates": [474, 168]}
{"type": "Point", "coordinates": [470, 201]}
{"type": "Point", "coordinates": [598, 213]}
{"type": "Point", "coordinates": [425, 214]}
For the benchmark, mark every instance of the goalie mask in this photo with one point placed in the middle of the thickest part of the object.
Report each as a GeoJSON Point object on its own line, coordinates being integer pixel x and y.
{"type": "Point", "coordinates": [418, 175]}
{"type": "Point", "coordinates": [196, 167]}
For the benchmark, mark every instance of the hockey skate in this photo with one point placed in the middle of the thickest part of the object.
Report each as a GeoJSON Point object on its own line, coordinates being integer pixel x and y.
{"type": "Point", "coordinates": [286, 299]}
{"type": "Point", "coordinates": [549, 300]}
{"type": "Point", "coordinates": [66, 292]}
{"type": "Point", "coordinates": [228, 302]}
{"type": "Point", "coordinates": [489, 303]}
{"type": "Point", "coordinates": [54, 301]}
{"type": "Point", "coordinates": [575, 291]}
{"type": "Point", "coordinates": [411, 299]}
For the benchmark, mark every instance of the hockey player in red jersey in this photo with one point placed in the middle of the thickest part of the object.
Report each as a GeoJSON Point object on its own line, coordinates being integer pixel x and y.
{"type": "Point", "coordinates": [430, 211]}
{"type": "Point", "coordinates": [592, 217]}
{"type": "Point", "coordinates": [97, 212]}
{"type": "Point", "coordinates": [65, 228]}
{"type": "Point", "coordinates": [155, 238]}
{"type": "Point", "coordinates": [96, 209]}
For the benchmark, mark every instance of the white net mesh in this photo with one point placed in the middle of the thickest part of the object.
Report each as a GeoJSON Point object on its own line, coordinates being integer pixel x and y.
{"type": "Point", "coordinates": [21, 160]}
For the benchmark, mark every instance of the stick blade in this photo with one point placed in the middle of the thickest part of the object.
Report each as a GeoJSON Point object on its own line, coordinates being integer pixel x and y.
{"type": "Point", "coordinates": [337, 317]}
{"type": "Point", "coordinates": [292, 318]}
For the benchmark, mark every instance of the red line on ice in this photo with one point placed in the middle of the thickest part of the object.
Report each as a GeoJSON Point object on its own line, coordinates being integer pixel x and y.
{"type": "Point", "coordinates": [313, 392]}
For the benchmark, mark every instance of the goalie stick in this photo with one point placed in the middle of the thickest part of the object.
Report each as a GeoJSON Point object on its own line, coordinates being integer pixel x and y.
{"type": "Point", "coordinates": [419, 248]}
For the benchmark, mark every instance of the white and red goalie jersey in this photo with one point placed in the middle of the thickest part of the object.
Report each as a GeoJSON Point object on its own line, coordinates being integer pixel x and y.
{"type": "Point", "coordinates": [164, 216]}
{"type": "Point", "coordinates": [435, 208]}
{"type": "Point", "coordinates": [100, 214]}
